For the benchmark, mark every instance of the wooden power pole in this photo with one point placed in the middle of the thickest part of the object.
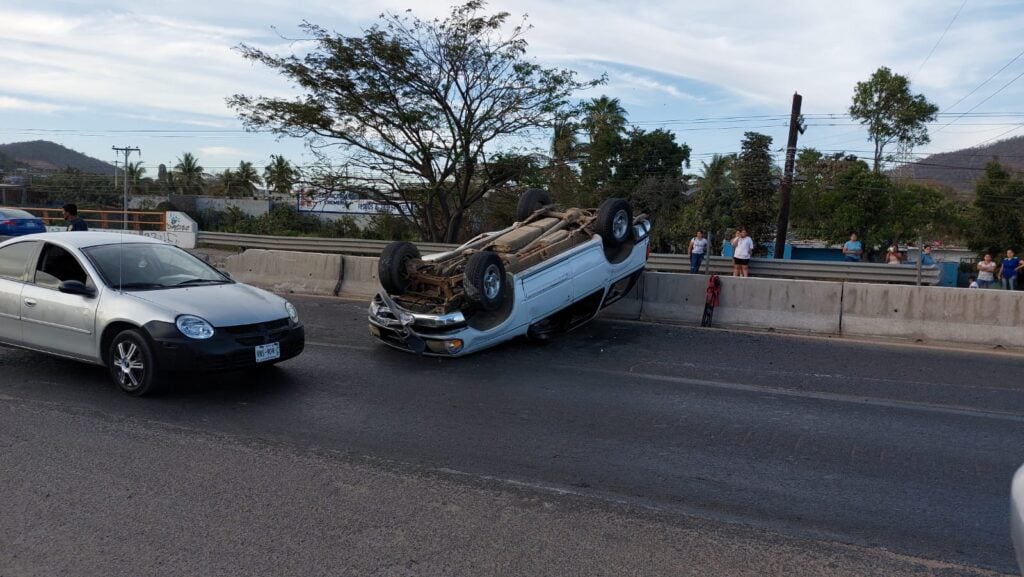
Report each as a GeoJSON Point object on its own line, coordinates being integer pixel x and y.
{"type": "Point", "coordinates": [787, 177]}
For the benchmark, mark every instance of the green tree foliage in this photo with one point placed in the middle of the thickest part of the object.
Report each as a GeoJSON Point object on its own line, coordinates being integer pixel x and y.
{"type": "Point", "coordinates": [715, 201]}
{"type": "Point", "coordinates": [840, 195]}
{"type": "Point", "coordinates": [998, 216]}
{"type": "Point", "coordinates": [649, 172]}
{"type": "Point", "coordinates": [754, 174]}
{"type": "Point", "coordinates": [87, 190]}
{"type": "Point", "coordinates": [415, 105]}
{"type": "Point", "coordinates": [247, 178]}
{"type": "Point", "coordinates": [892, 114]}
{"type": "Point", "coordinates": [280, 175]}
{"type": "Point", "coordinates": [562, 177]}
{"type": "Point", "coordinates": [188, 175]}
{"type": "Point", "coordinates": [816, 176]}
{"type": "Point", "coordinates": [604, 121]}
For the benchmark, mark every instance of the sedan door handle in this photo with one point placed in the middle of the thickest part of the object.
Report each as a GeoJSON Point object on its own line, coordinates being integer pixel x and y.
{"type": "Point", "coordinates": [30, 302]}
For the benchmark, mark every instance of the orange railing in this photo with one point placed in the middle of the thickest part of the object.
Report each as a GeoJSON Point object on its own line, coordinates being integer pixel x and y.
{"type": "Point", "coordinates": [102, 219]}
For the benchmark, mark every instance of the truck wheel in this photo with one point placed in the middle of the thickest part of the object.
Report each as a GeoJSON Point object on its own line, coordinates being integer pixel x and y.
{"type": "Point", "coordinates": [614, 220]}
{"type": "Point", "coordinates": [484, 280]}
{"type": "Point", "coordinates": [392, 269]}
{"type": "Point", "coordinates": [530, 202]}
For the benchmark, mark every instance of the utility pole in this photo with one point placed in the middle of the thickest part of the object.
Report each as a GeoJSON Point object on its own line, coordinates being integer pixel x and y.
{"type": "Point", "coordinates": [127, 151]}
{"type": "Point", "coordinates": [787, 177]}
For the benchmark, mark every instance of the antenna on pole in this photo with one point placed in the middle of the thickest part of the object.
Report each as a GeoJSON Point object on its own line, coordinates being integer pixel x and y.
{"type": "Point", "coordinates": [127, 151]}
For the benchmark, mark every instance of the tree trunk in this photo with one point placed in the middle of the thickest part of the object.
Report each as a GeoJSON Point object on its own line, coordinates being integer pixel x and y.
{"type": "Point", "coordinates": [454, 226]}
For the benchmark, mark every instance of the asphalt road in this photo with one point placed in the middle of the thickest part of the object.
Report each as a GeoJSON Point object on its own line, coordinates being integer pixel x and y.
{"type": "Point", "coordinates": [620, 449]}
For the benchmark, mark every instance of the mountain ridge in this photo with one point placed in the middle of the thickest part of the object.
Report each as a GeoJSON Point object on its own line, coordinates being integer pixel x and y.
{"type": "Point", "coordinates": [50, 156]}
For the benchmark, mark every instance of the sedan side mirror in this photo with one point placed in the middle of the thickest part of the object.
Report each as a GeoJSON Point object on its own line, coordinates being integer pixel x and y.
{"type": "Point", "coordinates": [75, 287]}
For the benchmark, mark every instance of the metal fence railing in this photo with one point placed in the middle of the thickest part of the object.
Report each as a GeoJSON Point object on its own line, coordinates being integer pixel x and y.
{"type": "Point", "coordinates": [760, 267]}
{"type": "Point", "coordinates": [103, 219]}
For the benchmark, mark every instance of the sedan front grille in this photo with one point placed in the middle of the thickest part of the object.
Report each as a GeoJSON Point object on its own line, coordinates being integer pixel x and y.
{"type": "Point", "coordinates": [256, 328]}
{"type": "Point", "coordinates": [258, 333]}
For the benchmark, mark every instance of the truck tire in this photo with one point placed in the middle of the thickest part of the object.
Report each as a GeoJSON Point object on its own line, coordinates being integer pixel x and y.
{"type": "Point", "coordinates": [531, 201]}
{"type": "Point", "coordinates": [484, 280]}
{"type": "Point", "coordinates": [614, 221]}
{"type": "Point", "coordinates": [392, 269]}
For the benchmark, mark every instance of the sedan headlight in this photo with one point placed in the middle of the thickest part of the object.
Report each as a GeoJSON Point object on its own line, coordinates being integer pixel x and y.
{"type": "Point", "coordinates": [194, 327]}
{"type": "Point", "coordinates": [292, 312]}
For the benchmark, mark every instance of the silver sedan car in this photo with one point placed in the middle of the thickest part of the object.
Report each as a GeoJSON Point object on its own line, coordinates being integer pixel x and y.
{"type": "Point", "coordinates": [138, 306]}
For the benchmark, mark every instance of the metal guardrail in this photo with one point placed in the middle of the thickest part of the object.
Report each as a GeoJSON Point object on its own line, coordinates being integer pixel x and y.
{"type": "Point", "coordinates": [677, 263]}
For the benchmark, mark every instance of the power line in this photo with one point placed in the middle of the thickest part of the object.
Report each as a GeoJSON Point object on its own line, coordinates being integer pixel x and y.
{"type": "Point", "coordinates": [987, 80]}
{"type": "Point", "coordinates": [1003, 87]}
{"type": "Point", "coordinates": [939, 41]}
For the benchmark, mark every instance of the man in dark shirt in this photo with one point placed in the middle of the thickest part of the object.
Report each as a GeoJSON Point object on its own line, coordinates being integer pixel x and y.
{"type": "Point", "coordinates": [75, 222]}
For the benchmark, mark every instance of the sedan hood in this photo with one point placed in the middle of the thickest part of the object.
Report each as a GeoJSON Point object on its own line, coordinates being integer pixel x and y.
{"type": "Point", "coordinates": [222, 305]}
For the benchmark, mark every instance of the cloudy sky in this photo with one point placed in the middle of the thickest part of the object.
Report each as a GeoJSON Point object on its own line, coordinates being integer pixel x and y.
{"type": "Point", "coordinates": [101, 73]}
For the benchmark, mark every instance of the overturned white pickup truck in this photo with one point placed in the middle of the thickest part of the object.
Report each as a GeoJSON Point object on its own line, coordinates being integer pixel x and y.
{"type": "Point", "coordinates": [551, 271]}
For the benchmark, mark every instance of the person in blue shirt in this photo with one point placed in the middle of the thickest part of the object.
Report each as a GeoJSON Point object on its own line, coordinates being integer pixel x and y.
{"type": "Point", "coordinates": [926, 257]}
{"type": "Point", "coordinates": [852, 249]}
{"type": "Point", "coordinates": [1011, 265]}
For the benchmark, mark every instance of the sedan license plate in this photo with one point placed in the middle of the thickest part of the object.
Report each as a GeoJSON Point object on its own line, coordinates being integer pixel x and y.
{"type": "Point", "coordinates": [268, 352]}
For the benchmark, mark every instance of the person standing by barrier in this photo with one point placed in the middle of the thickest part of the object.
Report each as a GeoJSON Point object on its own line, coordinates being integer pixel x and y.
{"type": "Point", "coordinates": [986, 271]}
{"type": "Point", "coordinates": [743, 248]}
{"type": "Point", "coordinates": [893, 255]}
{"type": "Point", "coordinates": [1008, 270]}
{"type": "Point", "coordinates": [697, 249]}
{"type": "Point", "coordinates": [75, 222]}
{"type": "Point", "coordinates": [926, 257]}
{"type": "Point", "coordinates": [853, 249]}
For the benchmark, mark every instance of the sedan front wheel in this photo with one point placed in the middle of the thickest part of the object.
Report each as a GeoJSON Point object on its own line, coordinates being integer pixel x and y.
{"type": "Point", "coordinates": [131, 363]}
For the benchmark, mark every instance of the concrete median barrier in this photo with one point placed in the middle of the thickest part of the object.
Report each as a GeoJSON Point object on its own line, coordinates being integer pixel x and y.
{"type": "Point", "coordinates": [288, 272]}
{"type": "Point", "coordinates": [360, 276]}
{"type": "Point", "coordinates": [987, 317]}
{"type": "Point", "coordinates": [789, 305]}
{"type": "Point", "coordinates": [675, 298]}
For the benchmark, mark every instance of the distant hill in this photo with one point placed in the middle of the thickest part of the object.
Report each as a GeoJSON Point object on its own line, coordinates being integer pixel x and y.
{"type": "Point", "coordinates": [8, 164]}
{"type": "Point", "coordinates": [961, 168]}
{"type": "Point", "coordinates": [46, 155]}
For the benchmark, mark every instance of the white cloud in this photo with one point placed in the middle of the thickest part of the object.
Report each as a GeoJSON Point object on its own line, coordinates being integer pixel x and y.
{"type": "Point", "coordinates": [20, 104]}
{"type": "Point", "coordinates": [732, 57]}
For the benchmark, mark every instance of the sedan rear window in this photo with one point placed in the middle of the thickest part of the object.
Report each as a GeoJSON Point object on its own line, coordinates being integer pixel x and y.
{"type": "Point", "coordinates": [146, 266]}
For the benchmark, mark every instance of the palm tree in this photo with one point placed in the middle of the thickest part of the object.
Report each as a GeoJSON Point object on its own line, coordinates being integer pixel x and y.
{"type": "Point", "coordinates": [225, 181]}
{"type": "Point", "coordinates": [246, 177]}
{"type": "Point", "coordinates": [279, 175]}
{"type": "Point", "coordinates": [133, 172]}
{"type": "Point", "coordinates": [564, 143]}
{"type": "Point", "coordinates": [716, 197]}
{"type": "Point", "coordinates": [189, 174]}
{"type": "Point", "coordinates": [563, 181]}
{"type": "Point", "coordinates": [604, 118]}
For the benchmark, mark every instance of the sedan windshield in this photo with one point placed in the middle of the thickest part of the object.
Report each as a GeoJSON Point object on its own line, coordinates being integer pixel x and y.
{"type": "Point", "coordinates": [146, 266]}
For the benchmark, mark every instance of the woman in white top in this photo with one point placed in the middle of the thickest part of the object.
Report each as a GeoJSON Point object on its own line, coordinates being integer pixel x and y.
{"type": "Point", "coordinates": [697, 249]}
{"type": "Point", "coordinates": [986, 271]}
{"type": "Point", "coordinates": [743, 247]}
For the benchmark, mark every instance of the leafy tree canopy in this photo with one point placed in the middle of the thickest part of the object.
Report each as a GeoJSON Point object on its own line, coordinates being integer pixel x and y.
{"type": "Point", "coordinates": [416, 106]}
{"type": "Point", "coordinates": [892, 114]}
{"type": "Point", "coordinates": [998, 219]}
